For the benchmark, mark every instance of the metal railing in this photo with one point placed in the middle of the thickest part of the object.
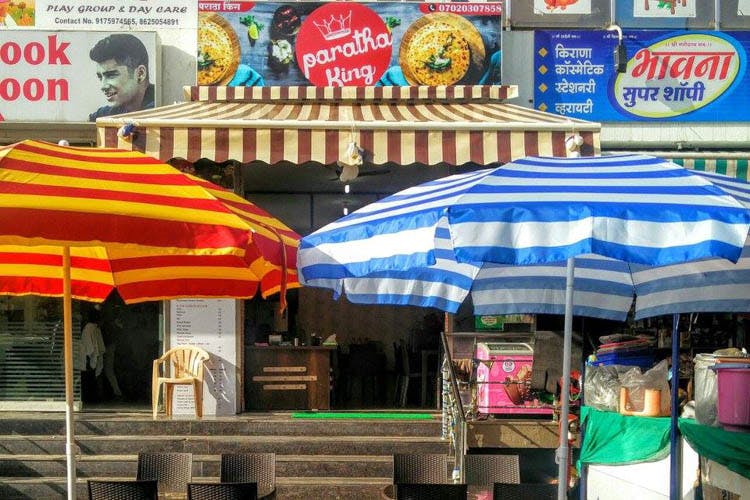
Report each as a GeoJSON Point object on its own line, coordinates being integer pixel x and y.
{"type": "Point", "coordinates": [454, 418]}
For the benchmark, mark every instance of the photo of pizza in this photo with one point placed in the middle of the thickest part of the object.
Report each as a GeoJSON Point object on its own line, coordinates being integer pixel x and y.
{"type": "Point", "coordinates": [441, 49]}
{"type": "Point", "coordinates": [218, 50]}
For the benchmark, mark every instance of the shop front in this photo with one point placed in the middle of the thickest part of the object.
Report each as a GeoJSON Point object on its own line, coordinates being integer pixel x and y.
{"type": "Point", "coordinates": [290, 141]}
{"type": "Point", "coordinates": [300, 117]}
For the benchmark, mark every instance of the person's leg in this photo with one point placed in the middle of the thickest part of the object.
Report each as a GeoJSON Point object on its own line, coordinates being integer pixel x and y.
{"type": "Point", "coordinates": [109, 369]}
{"type": "Point", "coordinates": [88, 386]}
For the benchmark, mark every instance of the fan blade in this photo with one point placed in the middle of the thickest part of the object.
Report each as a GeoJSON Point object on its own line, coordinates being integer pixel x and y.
{"type": "Point", "coordinates": [379, 171]}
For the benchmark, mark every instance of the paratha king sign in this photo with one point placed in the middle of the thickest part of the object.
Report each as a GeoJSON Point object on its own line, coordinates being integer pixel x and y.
{"type": "Point", "coordinates": [342, 44]}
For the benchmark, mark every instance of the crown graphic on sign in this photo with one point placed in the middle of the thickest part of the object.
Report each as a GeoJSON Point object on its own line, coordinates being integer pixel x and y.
{"type": "Point", "coordinates": [335, 27]}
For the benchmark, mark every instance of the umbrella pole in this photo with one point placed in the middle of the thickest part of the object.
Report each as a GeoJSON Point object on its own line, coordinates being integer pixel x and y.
{"type": "Point", "coordinates": [674, 431]}
{"type": "Point", "coordinates": [68, 357]}
{"type": "Point", "coordinates": [563, 452]}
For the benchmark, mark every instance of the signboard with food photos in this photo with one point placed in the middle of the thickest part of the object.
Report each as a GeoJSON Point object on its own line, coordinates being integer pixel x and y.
{"type": "Point", "coordinates": [670, 75]}
{"type": "Point", "coordinates": [348, 43]}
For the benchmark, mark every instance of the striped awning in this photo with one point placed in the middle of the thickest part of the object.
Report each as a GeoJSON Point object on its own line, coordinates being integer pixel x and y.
{"type": "Point", "coordinates": [450, 125]}
{"type": "Point", "coordinates": [732, 163]}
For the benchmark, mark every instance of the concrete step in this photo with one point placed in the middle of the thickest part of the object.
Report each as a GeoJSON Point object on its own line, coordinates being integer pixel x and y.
{"type": "Point", "coordinates": [278, 424]}
{"type": "Point", "coordinates": [204, 466]}
{"type": "Point", "coordinates": [330, 488]}
{"type": "Point", "coordinates": [215, 445]}
{"type": "Point", "coordinates": [326, 459]}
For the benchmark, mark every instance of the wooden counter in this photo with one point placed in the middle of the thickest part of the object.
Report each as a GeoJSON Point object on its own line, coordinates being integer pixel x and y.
{"type": "Point", "coordinates": [287, 378]}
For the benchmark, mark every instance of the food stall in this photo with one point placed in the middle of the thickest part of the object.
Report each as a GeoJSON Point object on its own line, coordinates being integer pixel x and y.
{"type": "Point", "coordinates": [628, 443]}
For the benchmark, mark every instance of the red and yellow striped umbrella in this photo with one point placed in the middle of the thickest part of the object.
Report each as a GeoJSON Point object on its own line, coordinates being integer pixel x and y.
{"type": "Point", "coordinates": [273, 249]}
{"type": "Point", "coordinates": [82, 221]}
{"type": "Point", "coordinates": [134, 203]}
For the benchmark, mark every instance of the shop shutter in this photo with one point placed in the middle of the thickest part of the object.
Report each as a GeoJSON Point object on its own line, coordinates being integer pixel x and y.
{"type": "Point", "coordinates": [31, 365]}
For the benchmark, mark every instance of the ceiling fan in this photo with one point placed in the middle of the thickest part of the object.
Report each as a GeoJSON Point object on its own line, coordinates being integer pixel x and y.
{"type": "Point", "coordinates": [348, 173]}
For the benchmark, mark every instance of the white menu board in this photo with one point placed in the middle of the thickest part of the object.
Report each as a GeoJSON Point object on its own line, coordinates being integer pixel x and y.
{"type": "Point", "coordinates": [211, 325]}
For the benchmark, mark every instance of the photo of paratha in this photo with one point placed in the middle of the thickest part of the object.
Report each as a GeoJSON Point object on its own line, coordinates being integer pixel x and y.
{"type": "Point", "coordinates": [218, 50]}
{"type": "Point", "coordinates": [438, 55]}
{"type": "Point", "coordinates": [441, 49]}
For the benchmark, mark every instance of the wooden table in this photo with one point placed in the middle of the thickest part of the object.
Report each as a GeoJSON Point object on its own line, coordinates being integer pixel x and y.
{"type": "Point", "coordinates": [287, 377]}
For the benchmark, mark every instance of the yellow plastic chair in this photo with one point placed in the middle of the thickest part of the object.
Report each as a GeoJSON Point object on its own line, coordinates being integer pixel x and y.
{"type": "Point", "coordinates": [187, 369]}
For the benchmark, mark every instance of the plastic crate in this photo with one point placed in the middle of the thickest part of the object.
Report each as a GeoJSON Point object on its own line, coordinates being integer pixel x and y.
{"type": "Point", "coordinates": [642, 360]}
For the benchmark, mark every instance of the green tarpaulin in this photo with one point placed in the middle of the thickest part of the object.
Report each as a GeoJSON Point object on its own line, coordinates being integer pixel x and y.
{"type": "Point", "coordinates": [613, 439]}
{"type": "Point", "coordinates": [730, 449]}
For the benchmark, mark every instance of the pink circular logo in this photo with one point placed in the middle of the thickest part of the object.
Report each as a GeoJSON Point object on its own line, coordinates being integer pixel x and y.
{"type": "Point", "coordinates": [343, 44]}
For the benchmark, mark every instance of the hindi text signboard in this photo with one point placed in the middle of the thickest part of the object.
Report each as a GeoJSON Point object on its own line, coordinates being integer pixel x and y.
{"type": "Point", "coordinates": [678, 76]}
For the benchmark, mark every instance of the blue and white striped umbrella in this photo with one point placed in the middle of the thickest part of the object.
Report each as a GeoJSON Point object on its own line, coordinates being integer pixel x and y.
{"type": "Point", "coordinates": [708, 285]}
{"type": "Point", "coordinates": [411, 259]}
{"type": "Point", "coordinates": [533, 211]}
{"type": "Point", "coordinates": [604, 287]}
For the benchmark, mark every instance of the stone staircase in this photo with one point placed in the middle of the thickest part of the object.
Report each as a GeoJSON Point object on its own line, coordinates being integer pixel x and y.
{"type": "Point", "coordinates": [326, 459]}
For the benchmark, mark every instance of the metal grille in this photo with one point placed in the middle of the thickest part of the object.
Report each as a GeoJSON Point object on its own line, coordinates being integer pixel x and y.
{"type": "Point", "coordinates": [31, 365]}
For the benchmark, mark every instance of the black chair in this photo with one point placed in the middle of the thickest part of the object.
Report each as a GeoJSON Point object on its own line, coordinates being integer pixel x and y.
{"type": "Point", "coordinates": [173, 471]}
{"type": "Point", "coordinates": [431, 492]}
{"type": "Point", "coordinates": [420, 468]}
{"type": "Point", "coordinates": [404, 371]}
{"type": "Point", "coordinates": [257, 468]}
{"type": "Point", "coordinates": [222, 491]}
{"type": "Point", "coordinates": [122, 490]}
{"type": "Point", "coordinates": [365, 369]}
{"type": "Point", "coordinates": [525, 491]}
{"type": "Point", "coordinates": [490, 469]}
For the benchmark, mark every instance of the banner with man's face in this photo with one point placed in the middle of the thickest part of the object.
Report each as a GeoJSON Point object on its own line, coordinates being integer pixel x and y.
{"type": "Point", "coordinates": [49, 75]}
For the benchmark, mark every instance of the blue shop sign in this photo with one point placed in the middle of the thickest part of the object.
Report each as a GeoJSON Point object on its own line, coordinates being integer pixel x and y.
{"type": "Point", "coordinates": [674, 76]}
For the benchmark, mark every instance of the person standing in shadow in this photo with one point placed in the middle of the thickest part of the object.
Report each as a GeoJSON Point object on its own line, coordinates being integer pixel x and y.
{"type": "Point", "coordinates": [91, 356]}
{"type": "Point", "coordinates": [111, 334]}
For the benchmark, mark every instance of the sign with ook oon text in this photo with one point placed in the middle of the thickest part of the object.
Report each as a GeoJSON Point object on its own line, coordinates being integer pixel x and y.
{"type": "Point", "coordinates": [676, 76]}
{"type": "Point", "coordinates": [48, 75]}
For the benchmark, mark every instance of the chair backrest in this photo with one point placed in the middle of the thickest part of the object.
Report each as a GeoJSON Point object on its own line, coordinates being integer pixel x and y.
{"type": "Point", "coordinates": [421, 468]}
{"type": "Point", "coordinates": [222, 491]}
{"type": "Point", "coordinates": [257, 468]}
{"type": "Point", "coordinates": [186, 361]}
{"type": "Point", "coordinates": [122, 490]}
{"type": "Point", "coordinates": [525, 491]}
{"type": "Point", "coordinates": [173, 471]}
{"type": "Point", "coordinates": [490, 469]}
{"type": "Point", "coordinates": [432, 492]}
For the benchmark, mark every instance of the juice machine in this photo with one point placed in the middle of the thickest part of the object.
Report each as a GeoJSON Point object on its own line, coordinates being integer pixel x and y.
{"type": "Point", "coordinates": [504, 379]}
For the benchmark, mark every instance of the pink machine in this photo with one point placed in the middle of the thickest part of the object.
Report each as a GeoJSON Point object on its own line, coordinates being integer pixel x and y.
{"type": "Point", "coordinates": [503, 378]}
